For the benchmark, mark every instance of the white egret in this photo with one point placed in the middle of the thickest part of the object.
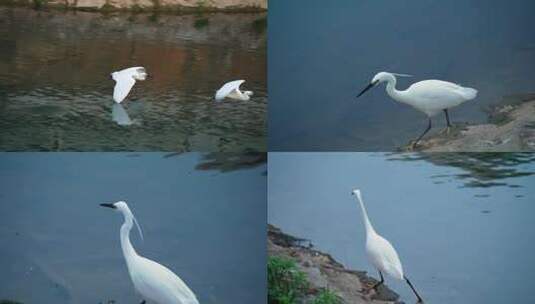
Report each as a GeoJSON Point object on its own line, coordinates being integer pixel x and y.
{"type": "Point", "coordinates": [427, 96]}
{"type": "Point", "coordinates": [125, 80]}
{"type": "Point", "coordinates": [381, 253]}
{"type": "Point", "coordinates": [232, 90]}
{"type": "Point", "coordinates": [152, 281]}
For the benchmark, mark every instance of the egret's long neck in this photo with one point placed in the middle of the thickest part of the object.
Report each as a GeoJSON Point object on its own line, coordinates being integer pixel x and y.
{"type": "Point", "coordinates": [392, 91]}
{"type": "Point", "coordinates": [367, 223]}
{"type": "Point", "coordinates": [128, 251]}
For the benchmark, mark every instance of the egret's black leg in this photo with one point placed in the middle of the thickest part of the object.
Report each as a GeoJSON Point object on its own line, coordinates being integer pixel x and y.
{"type": "Point", "coordinates": [378, 283]}
{"type": "Point", "coordinates": [425, 132]}
{"type": "Point", "coordinates": [413, 290]}
{"type": "Point", "coordinates": [447, 118]}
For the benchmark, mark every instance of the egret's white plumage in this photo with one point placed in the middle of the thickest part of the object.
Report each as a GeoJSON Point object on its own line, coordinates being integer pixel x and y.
{"type": "Point", "coordinates": [154, 282]}
{"type": "Point", "coordinates": [232, 90]}
{"type": "Point", "coordinates": [427, 96]}
{"type": "Point", "coordinates": [380, 252]}
{"type": "Point", "coordinates": [125, 80]}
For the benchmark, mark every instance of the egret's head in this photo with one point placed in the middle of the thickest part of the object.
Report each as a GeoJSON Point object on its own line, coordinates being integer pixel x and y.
{"type": "Point", "coordinates": [381, 77]}
{"type": "Point", "coordinates": [356, 192]}
{"type": "Point", "coordinates": [118, 206]}
{"type": "Point", "coordinates": [141, 74]}
{"type": "Point", "coordinates": [376, 79]}
{"type": "Point", "coordinates": [122, 207]}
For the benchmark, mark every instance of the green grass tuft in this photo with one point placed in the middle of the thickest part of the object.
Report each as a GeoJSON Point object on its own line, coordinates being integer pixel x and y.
{"type": "Point", "coordinates": [327, 297]}
{"type": "Point", "coordinates": [286, 283]}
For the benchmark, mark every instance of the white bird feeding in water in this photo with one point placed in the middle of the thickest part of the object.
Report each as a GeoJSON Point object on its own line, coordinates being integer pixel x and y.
{"type": "Point", "coordinates": [152, 281]}
{"type": "Point", "coordinates": [381, 253]}
{"type": "Point", "coordinates": [427, 96]}
{"type": "Point", "coordinates": [232, 90]}
{"type": "Point", "coordinates": [125, 80]}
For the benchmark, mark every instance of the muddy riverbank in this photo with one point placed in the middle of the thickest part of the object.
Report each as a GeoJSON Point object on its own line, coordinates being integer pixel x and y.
{"type": "Point", "coordinates": [183, 6]}
{"type": "Point", "coordinates": [323, 272]}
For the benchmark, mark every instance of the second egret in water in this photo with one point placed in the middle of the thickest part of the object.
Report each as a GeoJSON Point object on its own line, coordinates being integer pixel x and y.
{"type": "Point", "coordinates": [381, 253]}
{"type": "Point", "coordinates": [232, 90]}
{"type": "Point", "coordinates": [154, 282]}
{"type": "Point", "coordinates": [427, 96]}
{"type": "Point", "coordinates": [125, 80]}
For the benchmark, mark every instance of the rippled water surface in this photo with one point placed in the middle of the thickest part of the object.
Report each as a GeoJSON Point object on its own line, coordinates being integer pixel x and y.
{"type": "Point", "coordinates": [56, 91]}
{"type": "Point", "coordinates": [203, 216]}
{"type": "Point", "coordinates": [462, 223]}
{"type": "Point", "coordinates": [321, 57]}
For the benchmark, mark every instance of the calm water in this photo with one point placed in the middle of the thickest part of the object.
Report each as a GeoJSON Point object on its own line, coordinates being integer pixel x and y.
{"type": "Point", "coordinates": [459, 241]}
{"type": "Point", "coordinates": [59, 246]}
{"type": "Point", "coordinates": [56, 91]}
{"type": "Point", "coordinates": [322, 56]}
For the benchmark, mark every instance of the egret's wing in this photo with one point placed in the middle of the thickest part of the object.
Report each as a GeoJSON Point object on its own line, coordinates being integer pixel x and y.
{"type": "Point", "coordinates": [133, 71]}
{"type": "Point", "coordinates": [227, 88]}
{"type": "Point", "coordinates": [123, 85]}
{"type": "Point", "coordinates": [160, 284]}
{"type": "Point", "coordinates": [442, 90]}
{"type": "Point", "coordinates": [236, 94]}
{"type": "Point", "coordinates": [390, 260]}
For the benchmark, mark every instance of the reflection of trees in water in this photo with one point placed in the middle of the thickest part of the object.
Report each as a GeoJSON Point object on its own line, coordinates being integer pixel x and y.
{"type": "Point", "coordinates": [484, 169]}
{"type": "Point", "coordinates": [225, 162]}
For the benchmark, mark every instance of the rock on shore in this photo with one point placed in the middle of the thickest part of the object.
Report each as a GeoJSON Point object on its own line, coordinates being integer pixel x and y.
{"type": "Point", "coordinates": [511, 127]}
{"type": "Point", "coordinates": [325, 272]}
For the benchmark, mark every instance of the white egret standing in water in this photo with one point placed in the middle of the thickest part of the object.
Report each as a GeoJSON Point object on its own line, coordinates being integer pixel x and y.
{"type": "Point", "coordinates": [125, 80]}
{"type": "Point", "coordinates": [232, 90]}
{"type": "Point", "coordinates": [427, 96]}
{"type": "Point", "coordinates": [152, 281]}
{"type": "Point", "coordinates": [381, 253]}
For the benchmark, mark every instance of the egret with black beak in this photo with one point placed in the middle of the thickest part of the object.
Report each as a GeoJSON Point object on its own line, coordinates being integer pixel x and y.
{"type": "Point", "coordinates": [154, 282]}
{"type": "Point", "coordinates": [381, 253]}
{"type": "Point", "coordinates": [427, 96]}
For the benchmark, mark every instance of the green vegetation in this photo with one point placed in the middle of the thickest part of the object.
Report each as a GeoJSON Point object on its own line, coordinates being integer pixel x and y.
{"type": "Point", "coordinates": [260, 25]}
{"type": "Point", "coordinates": [136, 9]}
{"type": "Point", "coordinates": [39, 4]}
{"type": "Point", "coordinates": [9, 302]}
{"type": "Point", "coordinates": [327, 297]}
{"type": "Point", "coordinates": [107, 7]}
{"type": "Point", "coordinates": [200, 23]}
{"type": "Point", "coordinates": [286, 283]}
{"type": "Point", "coordinates": [153, 17]}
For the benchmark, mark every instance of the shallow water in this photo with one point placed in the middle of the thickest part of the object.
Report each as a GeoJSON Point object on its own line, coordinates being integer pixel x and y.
{"type": "Point", "coordinates": [464, 232]}
{"type": "Point", "coordinates": [56, 90]}
{"type": "Point", "coordinates": [322, 56]}
{"type": "Point", "coordinates": [59, 246]}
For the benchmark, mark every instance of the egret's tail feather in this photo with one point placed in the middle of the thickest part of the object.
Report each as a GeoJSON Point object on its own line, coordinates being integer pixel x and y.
{"type": "Point", "coordinates": [469, 93]}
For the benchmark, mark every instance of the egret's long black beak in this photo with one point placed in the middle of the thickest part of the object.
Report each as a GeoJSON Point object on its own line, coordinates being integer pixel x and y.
{"type": "Point", "coordinates": [371, 85]}
{"type": "Point", "coordinates": [108, 205]}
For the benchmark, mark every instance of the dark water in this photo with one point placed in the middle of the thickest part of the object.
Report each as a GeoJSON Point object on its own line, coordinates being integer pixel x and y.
{"type": "Point", "coordinates": [458, 241]}
{"type": "Point", "coordinates": [322, 56]}
{"type": "Point", "coordinates": [59, 246]}
{"type": "Point", "coordinates": [56, 91]}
